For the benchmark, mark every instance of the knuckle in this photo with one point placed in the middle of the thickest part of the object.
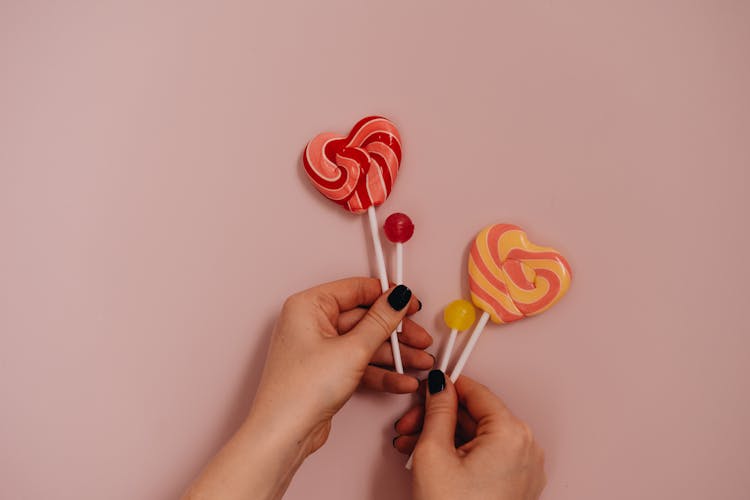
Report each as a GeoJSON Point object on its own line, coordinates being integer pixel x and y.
{"type": "Point", "coordinates": [292, 302]}
{"type": "Point", "coordinates": [439, 410]}
{"type": "Point", "coordinates": [361, 290]}
{"type": "Point", "coordinates": [526, 432]}
{"type": "Point", "coordinates": [541, 456]}
{"type": "Point", "coordinates": [357, 351]}
{"type": "Point", "coordinates": [325, 303]}
{"type": "Point", "coordinates": [424, 449]}
{"type": "Point", "coordinates": [520, 436]}
{"type": "Point", "coordinates": [378, 321]}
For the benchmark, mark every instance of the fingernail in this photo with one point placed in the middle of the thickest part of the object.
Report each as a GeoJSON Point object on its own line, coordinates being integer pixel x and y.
{"type": "Point", "coordinates": [436, 381]}
{"type": "Point", "coordinates": [399, 297]}
{"type": "Point", "coordinates": [393, 443]}
{"type": "Point", "coordinates": [420, 305]}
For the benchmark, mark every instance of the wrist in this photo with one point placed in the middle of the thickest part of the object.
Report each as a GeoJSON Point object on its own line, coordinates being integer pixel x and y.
{"type": "Point", "coordinates": [258, 462]}
{"type": "Point", "coordinates": [286, 424]}
{"type": "Point", "coordinates": [277, 449]}
{"type": "Point", "coordinates": [282, 439]}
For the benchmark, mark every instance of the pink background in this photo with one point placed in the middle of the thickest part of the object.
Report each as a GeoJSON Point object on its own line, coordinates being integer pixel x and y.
{"type": "Point", "coordinates": [153, 216]}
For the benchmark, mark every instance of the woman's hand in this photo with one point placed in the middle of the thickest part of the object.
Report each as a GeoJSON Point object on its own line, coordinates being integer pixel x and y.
{"type": "Point", "coordinates": [327, 341]}
{"type": "Point", "coordinates": [325, 344]}
{"type": "Point", "coordinates": [470, 447]}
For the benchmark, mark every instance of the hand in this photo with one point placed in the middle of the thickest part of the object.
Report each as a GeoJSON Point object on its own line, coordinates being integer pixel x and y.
{"type": "Point", "coordinates": [489, 455]}
{"type": "Point", "coordinates": [325, 344]}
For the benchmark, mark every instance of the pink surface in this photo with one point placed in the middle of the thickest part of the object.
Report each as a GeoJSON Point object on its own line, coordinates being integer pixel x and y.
{"type": "Point", "coordinates": [154, 214]}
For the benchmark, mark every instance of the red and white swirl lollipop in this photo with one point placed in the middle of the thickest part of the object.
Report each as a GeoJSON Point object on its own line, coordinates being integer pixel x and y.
{"type": "Point", "coordinates": [357, 172]}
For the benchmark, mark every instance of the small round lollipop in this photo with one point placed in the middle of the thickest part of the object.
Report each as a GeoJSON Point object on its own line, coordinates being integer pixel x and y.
{"type": "Point", "coordinates": [510, 278]}
{"type": "Point", "coordinates": [459, 315]}
{"type": "Point", "coordinates": [357, 172]}
{"type": "Point", "coordinates": [398, 229]}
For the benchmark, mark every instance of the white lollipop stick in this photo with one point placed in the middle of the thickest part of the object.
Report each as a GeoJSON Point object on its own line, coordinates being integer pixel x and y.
{"type": "Point", "coordinates": [400, 275]}
{"type": "Point", "coordinates": [448, 350]}
{"type": "Point", "coordinates": [410, 462]}
{"type": "Point", "coordinates": [469, 346]}
{"type": "Point", "coordinates": [380, 261]}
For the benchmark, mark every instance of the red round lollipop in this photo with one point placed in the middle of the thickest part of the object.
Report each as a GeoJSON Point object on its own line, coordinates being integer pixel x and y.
{"type": "Point", "coordinates": [398, 228]}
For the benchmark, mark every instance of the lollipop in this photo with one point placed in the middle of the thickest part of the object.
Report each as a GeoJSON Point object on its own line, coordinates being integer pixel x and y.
{"type": "Point", "coordinates": [459, 316]}
{"type": "Point", "coordinates": [399, 228]}
{"type": "Point", "coordinates": [357, 172]}
{"type": "Point", "coordinates": [510, 278]}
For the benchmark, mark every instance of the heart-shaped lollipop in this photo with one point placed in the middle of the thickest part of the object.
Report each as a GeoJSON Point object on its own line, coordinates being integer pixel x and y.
{"type": "Point", "coordinates": [510, 278]}
{"type": "Point", "coordinates": [356, 171]}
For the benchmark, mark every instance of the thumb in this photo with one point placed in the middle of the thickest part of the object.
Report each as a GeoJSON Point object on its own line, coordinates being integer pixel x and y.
{"type": "Point", "coordinates": [381, 319]}
{"type": "Point", "coordinates": [441, 407]}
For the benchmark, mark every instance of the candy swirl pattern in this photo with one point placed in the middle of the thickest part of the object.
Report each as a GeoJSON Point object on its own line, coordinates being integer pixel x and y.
{"type": "Point", "coordinates": [356, 171]}
{"type": "Point", "coordinates": [511, 278]}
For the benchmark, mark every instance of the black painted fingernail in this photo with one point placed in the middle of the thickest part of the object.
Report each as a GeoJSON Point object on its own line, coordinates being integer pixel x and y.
{"type": "Point", "coordinates": [436, 381]}
{"type": "Point", "coordinates": [420, 305]}
{"type": "Point", "coordinates": [394, 441]}
{"type": "Point", "coordinates": [399, 297]}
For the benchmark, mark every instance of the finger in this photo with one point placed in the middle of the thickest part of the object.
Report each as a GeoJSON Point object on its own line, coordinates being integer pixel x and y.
{"type": "Point", "coordinates": [415, 335]}
{"type": "Point", "coordinates": [411, 421]}
{"type": "Point", "coordinates": [466, 429]}
{"type": "Point", "coordinates": [382, 380]}
{"type": "Point", "coordinates": [353, 292]}
{"type": "Point", "coordinates": [479, 401]}
{"type": "Point", "coordinates": [411, 358]}
{"type": "Point", "coordinates": [349, 319]}
{"type": "Point", "coordinates": [343, 295]}
{"type": "Point", "coordinates": [405, 444]}
{"type": "Point", "coordinates": [422, 391]}
{"type": "Point", "coordinates": [380, 320]}
{"type": "Point", "coordinates": [441, 405]}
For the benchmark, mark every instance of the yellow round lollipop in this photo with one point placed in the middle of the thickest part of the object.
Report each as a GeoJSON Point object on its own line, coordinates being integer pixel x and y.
{"type": "Point", "coordinates": [459, 315]}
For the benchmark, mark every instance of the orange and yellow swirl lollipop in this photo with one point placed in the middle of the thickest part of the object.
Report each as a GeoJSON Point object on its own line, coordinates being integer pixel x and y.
{"type": "Point", "coordinates": [510, 278]}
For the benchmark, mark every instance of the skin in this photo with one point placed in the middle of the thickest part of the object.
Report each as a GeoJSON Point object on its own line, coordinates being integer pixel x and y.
{"type": "Point", "coordinates": [323, 347]}
{"type": "Point", "coordinates": [327, 342]}
{"type": "Point", "coordinates": [468, 445]}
